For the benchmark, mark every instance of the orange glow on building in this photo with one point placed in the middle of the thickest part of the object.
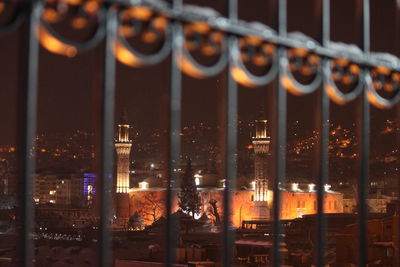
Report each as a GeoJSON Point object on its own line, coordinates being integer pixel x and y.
{"type": "Point", "coordinates": [293, 204]}
{"type": "Point", "coordinates": [247, 204]}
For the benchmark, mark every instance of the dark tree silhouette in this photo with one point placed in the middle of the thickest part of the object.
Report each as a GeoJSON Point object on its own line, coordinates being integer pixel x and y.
{"type": "Point", "coordinates": [136, 222]}
{"type": "Point", "coordinates": [189, 198]}
{"type": "Point", "coordinates": [214, 211]}
{"type": "Point", "coordinates": [152, 207]}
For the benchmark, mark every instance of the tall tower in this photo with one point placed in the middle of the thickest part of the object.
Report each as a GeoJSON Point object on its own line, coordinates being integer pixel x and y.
{"type": "Point", "coordinates": [123, 147]}
{"type": "Point", "coordinates": [261, 150]}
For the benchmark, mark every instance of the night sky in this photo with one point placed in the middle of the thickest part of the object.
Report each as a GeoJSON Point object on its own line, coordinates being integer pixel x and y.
{"type": "Point", "coordinates": [67, 85]}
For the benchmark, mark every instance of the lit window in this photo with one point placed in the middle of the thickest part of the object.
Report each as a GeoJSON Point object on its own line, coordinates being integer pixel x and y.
{"type": "Point", "coordinates": [197, 179]}
{"type": "Point", "coordinates": [311, 187]}
{"type": "Point", "coordinates": [295, 187]}
{"type": "Point", "coordinates": [327, 187]}
{"type": "Point", "coordinates": [253, 185]}
{"type": "Point", "coordinates": [144, 185]}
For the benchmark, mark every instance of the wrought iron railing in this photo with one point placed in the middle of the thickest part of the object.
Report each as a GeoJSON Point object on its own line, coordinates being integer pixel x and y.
{"type": "Point", "coordinates": [182, 31]}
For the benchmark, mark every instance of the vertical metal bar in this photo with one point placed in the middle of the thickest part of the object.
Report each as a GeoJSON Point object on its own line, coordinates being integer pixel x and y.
{"type": "Point", "coordinates": [231, 168]}
{"type": "Point", "coordinates": [27, 117]}
{"type": "Point", "coordinates": [366, 26]}
{"type": "Point", "coordinates": [324, 140]}
{"type": "Point", "coordinates": [175, 108]}
{"type": "Point", "coordinates": [397, 118]}
{"type": "Point", "coordinates": [107, 149]}
{"type": "Point", "coordinates": [363, 182]}
{"type": "Point", "coordinates": [326, 22]}
{"type": "Point", "coordinates": [231, 146]}
{"type": "Point", "coordinates": [280, 147]}
{"type": "Point", "coordinates": [232, 10]}
{"type": "Point", "coordinates": [323, 171]}
{"type": "Point", "coordinates": [282, 18]}
{"type": "Point", "coordinates": [364, 151]}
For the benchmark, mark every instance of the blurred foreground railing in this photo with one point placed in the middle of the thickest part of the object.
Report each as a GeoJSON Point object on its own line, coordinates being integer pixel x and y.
{"type": "Point", "coordinates": [340, 72]}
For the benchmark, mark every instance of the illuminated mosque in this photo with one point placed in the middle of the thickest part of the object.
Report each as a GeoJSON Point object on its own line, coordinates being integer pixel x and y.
{"type": "Point", "coordinates": [254, 203]}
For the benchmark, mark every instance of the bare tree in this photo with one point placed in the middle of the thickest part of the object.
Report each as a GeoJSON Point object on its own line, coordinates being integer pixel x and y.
{"type": "Point", "coordinates": [152, 207]}
{"type": "Point", "coordinates": [214, 211]}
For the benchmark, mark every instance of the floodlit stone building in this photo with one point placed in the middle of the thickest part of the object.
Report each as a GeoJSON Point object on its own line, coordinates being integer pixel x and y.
{"type": "Point", "coordinates": [149, 198]}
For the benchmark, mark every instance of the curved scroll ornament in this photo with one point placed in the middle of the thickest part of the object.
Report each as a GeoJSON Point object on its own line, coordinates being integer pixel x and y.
{"type": "Point", "coordinates": [150, 28]}
{"type": "Point", "coordinates": [11, 16]}
{"type": "Point", "coordinates": [83, 14]}
{"type": "Point", "coordinates": [305, 64]}
{"type": "Point", "coordinates": [342, 73]}
{"type": "Point", "coordinates": [200, 38]}
{"type": "Point", "coordinates": [383, 87]}
{"type": "Point", "coordinates": [252, 50]}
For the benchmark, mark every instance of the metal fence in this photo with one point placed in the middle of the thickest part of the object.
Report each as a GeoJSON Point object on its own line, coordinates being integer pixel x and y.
{"type": "Point", "coordinates": [183, 30]}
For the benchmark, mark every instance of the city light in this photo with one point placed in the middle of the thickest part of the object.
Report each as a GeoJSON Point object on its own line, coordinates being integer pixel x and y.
{"type": "Point", "coordinates": [253, 185]}
{"type": "Point", "coordinates": [311, 187]}
{"type": "Point", "coordinates": [197, 178]}
{"type": "Point", "coordinates": [327, 187]}
{"type": "Point", "coordinates": [144, 185]}
{"type": "Point", "coordinates": [295, 187]}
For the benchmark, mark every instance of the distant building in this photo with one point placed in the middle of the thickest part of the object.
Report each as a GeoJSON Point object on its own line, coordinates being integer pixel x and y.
{"type": "Point", "coordinates": [374, 204]}
{"type": "Point", "coordinates": [381, 238]}
{"type": "Point", "coordinates": [58, 188]}
{"type": "Point", "coordinates": [89, 188]}
{"type": "Point", "coordinates": [295, 204]}
{"type": "Point", "coordinates": [60, 216]}
{"type": "Point", "coordinates": [247, 204]}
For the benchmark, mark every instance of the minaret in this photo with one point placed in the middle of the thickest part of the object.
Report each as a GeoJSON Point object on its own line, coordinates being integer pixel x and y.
{"type": "Point", "coordinates": [261, 150]}
{"type": "Point", "coordinates": [123, 147]}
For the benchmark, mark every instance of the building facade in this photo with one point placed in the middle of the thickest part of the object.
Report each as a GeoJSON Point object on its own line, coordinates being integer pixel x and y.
{"type": "Point", "coordinates": [149, 200]}
{"type": "Point", "coordinates": [64, 189]}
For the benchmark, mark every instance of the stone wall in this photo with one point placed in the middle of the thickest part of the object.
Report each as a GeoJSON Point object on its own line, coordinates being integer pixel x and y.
{"type": "Point", "coordinates": [150, 204]}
